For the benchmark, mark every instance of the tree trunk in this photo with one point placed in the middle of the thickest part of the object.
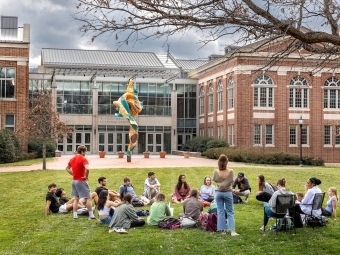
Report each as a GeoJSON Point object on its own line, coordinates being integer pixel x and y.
{"type": "Point", "coordinates": [44, 155]}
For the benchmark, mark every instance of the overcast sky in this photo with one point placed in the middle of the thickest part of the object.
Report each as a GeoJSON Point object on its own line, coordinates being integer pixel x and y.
{"type": "Point", "coordinates": [52, 27]}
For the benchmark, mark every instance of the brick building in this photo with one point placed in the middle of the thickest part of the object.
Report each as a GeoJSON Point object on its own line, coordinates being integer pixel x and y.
{"type": "Point", "coordinates": [14, 75]}
{"type": "Point", "coordinates": [256, 107]}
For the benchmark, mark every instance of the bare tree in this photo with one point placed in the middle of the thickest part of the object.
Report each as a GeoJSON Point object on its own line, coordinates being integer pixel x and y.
{"type": "Point", "coordinates": [43, 120]}
{"type": "Point", "coordinates": [245, 20]}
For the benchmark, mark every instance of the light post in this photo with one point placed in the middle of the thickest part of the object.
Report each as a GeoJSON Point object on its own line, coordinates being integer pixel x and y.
{"type": "Point", "coordinates": [301, 122]}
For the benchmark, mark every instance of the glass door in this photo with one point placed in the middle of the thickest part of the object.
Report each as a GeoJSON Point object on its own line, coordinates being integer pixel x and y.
{"type": "Point", "coordinates": [154, 142]}
{"type": "Point", "coordinates": [106, 142]}
{"type": "Point", "coordinates": [75, 139]}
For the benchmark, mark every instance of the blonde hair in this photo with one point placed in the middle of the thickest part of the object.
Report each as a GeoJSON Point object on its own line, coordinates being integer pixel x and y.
{"type": "Point", "coordinates": [333, 189]}
{"type": "Point", "coordinates": [222, 162]}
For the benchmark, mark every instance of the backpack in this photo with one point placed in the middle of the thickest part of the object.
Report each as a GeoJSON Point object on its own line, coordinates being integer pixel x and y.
{"type": "Point", "coordinates": [137, 203]}
{"type": "Point", "coordinates": [83, 211]}
{"type": "Point", "coordinates": [203, 219]}
{"type": "Point", "coordinates": [319, 221]}
{"type": "Point", "coordinates": [188, 222]}
{"type": "Point", "coordinates": [283, 224]}
{"type": "Point", "coordinates": [212, 223]}
{"type": "Point", "coordinates": [237, 199]}
{"type": "Point", "coordinates": [169, 223]}
{"type": "Point", "coordinates": [275, 188]}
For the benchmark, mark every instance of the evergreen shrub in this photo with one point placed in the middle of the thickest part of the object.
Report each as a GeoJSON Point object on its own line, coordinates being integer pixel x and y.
{"type": "Point", "coordinates": [35, 145]}
{"type": "Point", "coordinates": [7, 146]}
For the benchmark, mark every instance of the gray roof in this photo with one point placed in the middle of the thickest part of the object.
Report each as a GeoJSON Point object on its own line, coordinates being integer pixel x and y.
{"type": "Point", "coordinates": [99, 59]}
{"type": "Point", "coordinates": [188, 65]}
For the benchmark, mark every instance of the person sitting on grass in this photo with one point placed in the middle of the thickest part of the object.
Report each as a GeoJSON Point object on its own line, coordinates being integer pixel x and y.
{"type": "Point", "coordinates": [265, 189]}
{"type": "Point", "coordinates": [269, 208]}
{"type": "Point", "coordinates": [125, 217]}
{"type": "Point", "coordinates": [127, 188]}
{"type": "Point", "coordinates": [114, 195]}
{"type": "Point", "coordinates": [243, 187]}
{"type": "Point", "coordinates": [181, 190]}
{"type": "Point", "coordinates": [207, 190]}
{"type": "Point", "coordinates": [158, 210]}
{"type": "Point", "coordinates": [52, 202]}
{"type": "Point", "coordinates": [151, 186]}
{"type": "Point", "coordinates": [192, 206]}
{"type": "Point", "coordinates": [106, 207]}
{"type": "Point", "coordinates": [63, 199]}
{"type": "Point", "coordinates": [331, 203]}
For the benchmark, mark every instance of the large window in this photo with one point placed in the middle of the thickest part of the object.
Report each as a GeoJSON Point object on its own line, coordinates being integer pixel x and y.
{"type": "Point", "coordinates": [257, 135]}
{"type": "Point", "coordinates": [211, 98]}
{"type": "Point", "coordinates": [331, 98]}
{"type": "Point", "coordinates": [7, 82]}
{"type": "Point", "coordinates": [220, 132]}
{"type": "Point", "coordinates": [231, 93]}
{"type": "Point", "coordinates": [294, 134]}
{"type": "Point", "coordinates": [231, 135]}
{"type": "Point", "coordinates": [9, 122]}
{"type": "Point", "coordinates": [263, 91]}
{"type": "Point", "coordinates": [202, 100]}
{"type": "Point", "coordinates": [337, 135]}
{"type": "Point", "coordinates": [220, 96]}
{"type": "Point", "coordinates": [298, 93]}
{"type": "Point", "coordinates": [269, 134]}
{"type": "Point", "coordinates": [186, 105]}
{"type": "Point", "coordinates": [327, 140]}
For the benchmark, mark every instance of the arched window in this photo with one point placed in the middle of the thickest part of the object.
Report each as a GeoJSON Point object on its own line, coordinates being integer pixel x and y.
{"type": "Point", "coordinates": [211, 98]}
{"type": "Point", "coordinates": [298, 92]}
{"type": "Point", "coordinates": [263, 91]}
{"type": "Point", "coordinates": [202, 100]}
{"type": "Point", "coordinates": [331, 99]}
{"type": "Point", "coordinates": [231, 84]}
{"type": "Point", "coordinates": [220, 96]}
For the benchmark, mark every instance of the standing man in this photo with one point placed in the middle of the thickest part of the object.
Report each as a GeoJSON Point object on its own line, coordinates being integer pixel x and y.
{"type": "Point", "coordinates": [78, 167]}
{"type": "Point", "coordinates": [242, 185]}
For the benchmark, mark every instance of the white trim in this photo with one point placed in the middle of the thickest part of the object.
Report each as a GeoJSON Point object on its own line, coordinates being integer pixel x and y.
{"type": "Point", "coordinates": [22, 59]}
{"type": "Point", "coordinates": [18, 44]}
{"type": "Point", "coordinates": [264, 115]}
{"type": "Point", "coordinates": [231, 116]}
{"type": "Point", "coordinates": [219, 117]}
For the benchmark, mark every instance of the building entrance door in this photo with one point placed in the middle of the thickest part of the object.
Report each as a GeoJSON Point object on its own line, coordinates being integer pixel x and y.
{"type": "Point", "coordinates": [78, 138]}
{"type": "Point", "coordinates": [113, 142]}
{"type": "Point", "coordinates": [182, 139]}
{"type": "Point", "coordinates": [154, 142]}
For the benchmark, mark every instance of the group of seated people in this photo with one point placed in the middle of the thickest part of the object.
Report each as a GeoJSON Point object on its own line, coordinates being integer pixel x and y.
{"type": "Point", "coordinates": [116, 210]}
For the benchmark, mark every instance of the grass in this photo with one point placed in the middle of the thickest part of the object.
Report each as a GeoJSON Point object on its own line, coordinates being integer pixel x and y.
{"type": "Point", "coordinates": [25, 230]}
{"type": "Point", "coordinates": [28, 162]}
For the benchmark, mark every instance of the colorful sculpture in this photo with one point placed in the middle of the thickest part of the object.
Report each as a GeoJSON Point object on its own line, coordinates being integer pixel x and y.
{"type": "Point", "coordinates": [129, 106]}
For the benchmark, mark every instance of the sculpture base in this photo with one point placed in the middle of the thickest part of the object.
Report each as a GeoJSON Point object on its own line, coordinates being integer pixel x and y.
{"type": "Point", "coordinates": [128, 158]}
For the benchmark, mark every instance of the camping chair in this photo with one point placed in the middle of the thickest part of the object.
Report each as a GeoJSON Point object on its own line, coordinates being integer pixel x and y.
{"type": "Point", "coordinates": [316, 205]}
{"type": "Point", "coordinates": [283, 204]}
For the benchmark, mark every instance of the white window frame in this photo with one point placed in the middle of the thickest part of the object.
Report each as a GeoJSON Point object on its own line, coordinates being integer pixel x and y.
{"type": "Point", "coordinates": [331, 88]}
{"type": "Point", "coordinates": [202, 100]}
{"type": "Point", "coordinates": [211, 99]}
{"type": "Point", "coordinates": [327, 135]}
{"type": "Point", "coordinates": [231, 135]}
{"type": "Point", "coordinates": [293, 136]}
{"type": "Point", "coordinates": [257, 132]}
{"type": "Point", "coordinates": [298, 93]}
{"type": "Point", "coordinates": [305, 135]}
{"type": "Point", "coordinates": [220, 96]}
{"type": "Point", "coordinates": [6, 79]}
{"type": "Point", "coordinates": [231, 85]}
{"type": "Point", "coordinates": [8, 126]}
{"type": "Point", "coordinates": [337, 136]}
{"type": "Point", "coordinates": [263, 92]}
{"type": "Point", "coordinates": [269, 136]}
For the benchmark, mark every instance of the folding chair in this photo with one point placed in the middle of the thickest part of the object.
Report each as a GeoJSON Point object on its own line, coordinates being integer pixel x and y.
{"type": "Point", "coordinates": [316, 205]}
{"type": "Point", "coordinates": [283, 204]}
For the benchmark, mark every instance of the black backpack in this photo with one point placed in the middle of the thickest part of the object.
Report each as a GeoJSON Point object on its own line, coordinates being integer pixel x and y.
{"type": "Point", "coordinates": [237, 199]}
{"type": "Point", "coordinates": [169, 223]}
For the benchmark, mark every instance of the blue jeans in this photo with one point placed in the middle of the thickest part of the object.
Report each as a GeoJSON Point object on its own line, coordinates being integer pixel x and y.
{"type": "Point", "coordinates": [106, 220]}
{"type": "Point", "coordinates": [268, 213]}
{"type": "Point", "coordinates": [225, 200]}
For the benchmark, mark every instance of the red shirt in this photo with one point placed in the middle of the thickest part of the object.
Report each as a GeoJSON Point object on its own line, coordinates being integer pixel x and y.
{"type": "Point", "coordinates": [77, 163]}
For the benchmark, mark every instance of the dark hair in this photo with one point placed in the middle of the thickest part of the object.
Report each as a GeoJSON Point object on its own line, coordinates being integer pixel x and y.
{"type": "Point", "coordinates": [193, 193]}
{"type": "Point", "coordinates": [127, 179]}
{"type": "Point", "coordinates": [179, 183]}
{"type": "Point", "coordinates": [205, 180]}
{"type": "Point", "coordinates": [315, 181]}
{"type": "Point", "coordinates": [81, 148]}
{"type": "Point", "coordinates": [150, 173]}
{"type": "Point", "coordinates": [100, 179]}
{"type": "Point", "coordinates": [102, 199]}
{"type": "Point", "coordinates": [52, 185]}
{"type": "Point", "coordinates": [281, 182]}
{"type": "Point", "coordinates": [262, 181]}
{"type": "Point", "coordinates": [222, 162]}
{"type": "Point", "coordinates": [58, 192]}
{"type": "Point", "coordinates": [127, 198]}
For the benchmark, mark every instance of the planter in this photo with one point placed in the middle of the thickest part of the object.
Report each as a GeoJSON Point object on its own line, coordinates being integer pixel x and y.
{"type": "Point", "coordinates": [146, 154]}
{"type": "Point", "coordinates": [102, 154]}
{"type": "Point", "coordinates": [186, 154]}
{"type": "Point", "coordinates": [162, 154]}
{"type": "Point", "coordinates": [121, 154]}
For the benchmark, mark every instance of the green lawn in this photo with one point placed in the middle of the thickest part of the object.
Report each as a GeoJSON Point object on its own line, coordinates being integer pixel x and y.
{"type": "Point", "coordinates": [25, 230]}
{"type": "Point", "coordinates": [27, 162]}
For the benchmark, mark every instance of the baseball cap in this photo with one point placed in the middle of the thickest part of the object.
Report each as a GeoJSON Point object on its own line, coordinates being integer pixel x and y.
{"type": "Point", "coordinates": [240, 175]}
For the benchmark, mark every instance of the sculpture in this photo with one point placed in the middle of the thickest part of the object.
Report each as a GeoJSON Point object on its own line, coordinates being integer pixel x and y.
{"type": "Point", "coordinates": [129, 106]}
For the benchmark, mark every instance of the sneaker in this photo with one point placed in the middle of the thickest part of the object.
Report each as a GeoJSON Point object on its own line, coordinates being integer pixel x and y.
{"type": "Point", "coordinates": [262, 228]}
{"type": "Point", "coordinates": [111, 230]}
{"type": "Point", "coordinates": [245, 201]}
{"type": "Point", "coordinates": [121, 231]}
{"type": "Point", "coordinates": [92, 218]}
{"type": "Point", "coordinates": [234, 234]}
{"type": "Point", "coordinates": [75, 218]}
